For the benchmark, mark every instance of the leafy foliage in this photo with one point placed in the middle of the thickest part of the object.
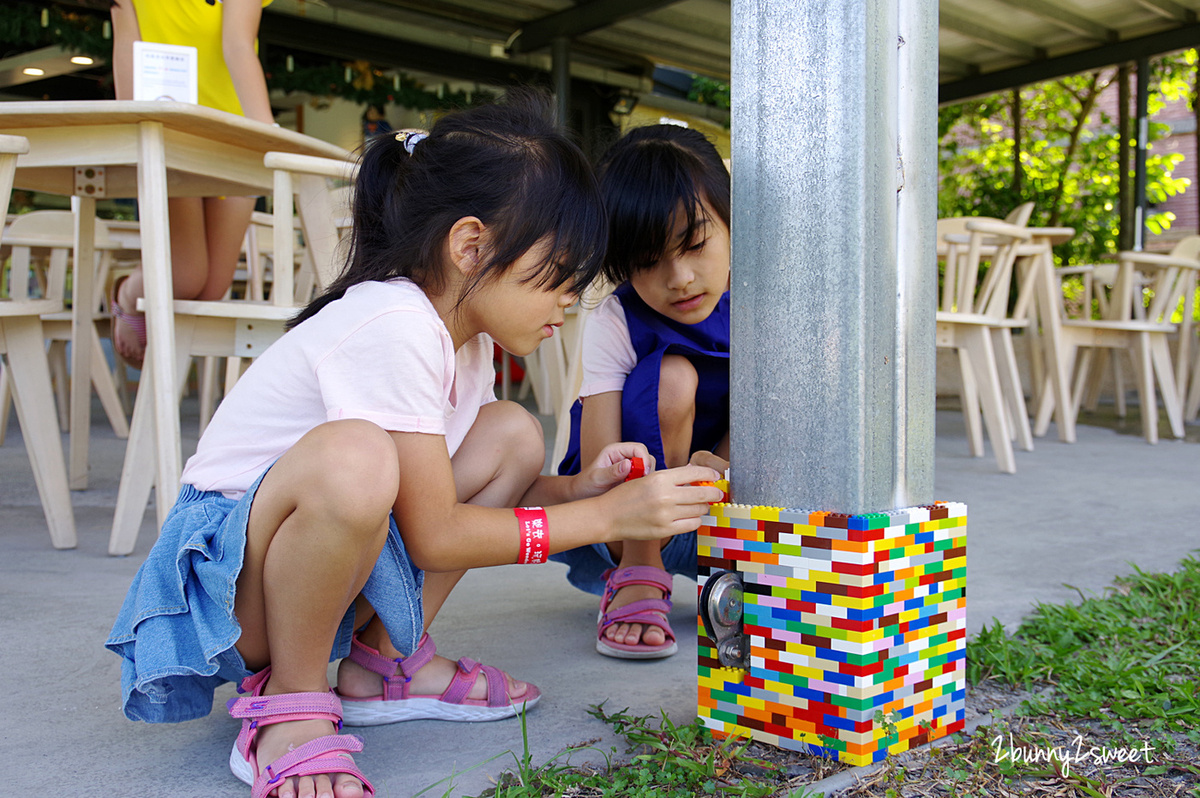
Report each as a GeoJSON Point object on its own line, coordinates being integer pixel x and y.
{"type": "Point", "coordinates": [708, 91]}
{"type": "Point", "coordinates": [1067, 163]}
{"type": "Point", "coordinates": [24, 25]}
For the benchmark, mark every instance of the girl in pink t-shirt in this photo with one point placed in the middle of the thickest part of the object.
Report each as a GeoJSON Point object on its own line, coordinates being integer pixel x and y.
{"type": "Point", "coordinates": [362, 464]}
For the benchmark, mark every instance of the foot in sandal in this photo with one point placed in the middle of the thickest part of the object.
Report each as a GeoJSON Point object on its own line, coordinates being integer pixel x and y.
{"type": "Point", "coordinates": [128, 325]}
{"type": "Point", "coordinates": [633, 614]}
{"type": "Point", "coordinates": [289, 744]}
{"type": "Point", "coordinates": [377, 689]}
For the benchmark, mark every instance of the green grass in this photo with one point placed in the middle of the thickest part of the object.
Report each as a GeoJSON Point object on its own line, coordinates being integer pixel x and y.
{"type": "Point", "coordinates": [670, 761]}
{"type": "Point", "coordinates": [1123, 667]}
{"type": "Point", "coordinates": [1131, 654]}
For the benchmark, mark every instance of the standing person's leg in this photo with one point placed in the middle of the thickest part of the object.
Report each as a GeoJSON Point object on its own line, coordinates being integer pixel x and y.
{"type": "Point", "coordinates": [189, 246]}
{"type": "Point", "coordinates": [495, 465]}
{"type": "Point", "coordinates": [189, 269]}
{"type": "Point", "coordinates": [225, 223]}
{"type": "Point", "coordinates": [317, 525]}
{"type": "Point", "coordinates": [677, 386]}
{"type": "Point", "coordinates": [206, 241]}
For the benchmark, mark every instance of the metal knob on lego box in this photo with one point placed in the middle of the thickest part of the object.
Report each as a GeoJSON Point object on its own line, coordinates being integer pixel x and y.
{"type": "Point", "coordinates": [721, 609]}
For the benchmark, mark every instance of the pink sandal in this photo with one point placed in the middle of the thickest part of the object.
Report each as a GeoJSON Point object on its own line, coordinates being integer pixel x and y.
{"type": "Point", "coordinates": [396, 704]}
{"type": "Point", "coordinates": [325, 755]}
{"type": "Point", "coordinates": [652, 612]}
{"type": "Point", "coordinates": [136, 321]}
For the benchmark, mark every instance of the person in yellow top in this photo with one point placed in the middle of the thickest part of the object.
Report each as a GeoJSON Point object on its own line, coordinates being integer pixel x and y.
{"type": "Point", "coordinates": [206, 233]}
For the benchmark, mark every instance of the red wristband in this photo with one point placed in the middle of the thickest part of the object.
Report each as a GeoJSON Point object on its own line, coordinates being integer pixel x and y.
{"type": "Point", "coordinates": [535, 535]}
{"type": "Point", "coordinates": [636, 468]}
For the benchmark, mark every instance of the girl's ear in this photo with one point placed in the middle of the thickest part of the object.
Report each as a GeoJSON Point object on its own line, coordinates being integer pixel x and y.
{"type": "Point", "coordinates": [466, 243]}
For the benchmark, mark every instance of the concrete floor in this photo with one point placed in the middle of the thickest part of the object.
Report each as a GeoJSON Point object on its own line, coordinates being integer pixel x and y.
{"type": "Point", "coordinates": [1073, 517]}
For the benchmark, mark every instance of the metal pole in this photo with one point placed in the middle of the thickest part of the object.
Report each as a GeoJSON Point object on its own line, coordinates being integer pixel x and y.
{"type": "Point", "coordinates": [560, 55]}
{"type": "Point", "coordinates": [1124, 194]}
{"type": "Point", "coordinates": [834, 271]}
{"type": "Point", "coordinates": [1143, 135]}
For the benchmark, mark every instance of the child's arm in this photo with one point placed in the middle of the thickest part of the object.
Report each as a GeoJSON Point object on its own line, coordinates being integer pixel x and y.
{"type": "Point", "coordinates": [599, 424]}
{"type": "Point", "coordinates": [443, 534]}
{"type": "Point", "coordinates": [608, 469]}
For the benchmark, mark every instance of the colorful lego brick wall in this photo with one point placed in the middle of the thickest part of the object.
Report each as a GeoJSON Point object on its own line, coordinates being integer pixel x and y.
{"type": "Point", "coordinates": [846, 617]}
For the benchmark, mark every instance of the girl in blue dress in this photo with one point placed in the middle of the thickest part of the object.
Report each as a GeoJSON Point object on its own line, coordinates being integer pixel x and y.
{"type": "Point", "coordinates": [655, 362]}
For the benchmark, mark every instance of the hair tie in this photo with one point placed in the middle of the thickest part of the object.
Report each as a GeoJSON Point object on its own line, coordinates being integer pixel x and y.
{"type": "Point", "coordinates": [411, 138]}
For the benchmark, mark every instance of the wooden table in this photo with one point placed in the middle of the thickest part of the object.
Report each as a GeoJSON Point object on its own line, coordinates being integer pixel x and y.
{"type": "Point", "coordinates": [151, 151]}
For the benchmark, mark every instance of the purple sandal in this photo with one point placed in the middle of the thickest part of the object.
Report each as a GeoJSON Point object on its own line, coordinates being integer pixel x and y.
{"type": "Point", "coordinates": [328, 755]}
{"type": "Point", "coordinates": [651, 612]}
{"type": "Point", "coordinates": [397, 704]}
{"type": "Point", "coordinates": [135, 321]}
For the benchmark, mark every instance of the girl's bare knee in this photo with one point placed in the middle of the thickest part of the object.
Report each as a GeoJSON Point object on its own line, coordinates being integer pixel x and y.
{"type": "Point", "coordinates": [524, 442]}
{"type": "Point", "coordinates": [677, 385]}
{"type": "Point", "coordinates": [353, 464]}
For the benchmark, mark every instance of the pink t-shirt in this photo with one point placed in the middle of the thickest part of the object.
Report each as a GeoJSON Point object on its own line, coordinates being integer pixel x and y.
{"type": "Point", "coordinates": [380, 353]}
{"type": "Point", "coordinates": [608, 354]}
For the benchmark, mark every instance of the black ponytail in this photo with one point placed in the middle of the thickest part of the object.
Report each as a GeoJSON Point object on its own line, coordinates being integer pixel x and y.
{"type": "Point", "coordinates": [505, 164]}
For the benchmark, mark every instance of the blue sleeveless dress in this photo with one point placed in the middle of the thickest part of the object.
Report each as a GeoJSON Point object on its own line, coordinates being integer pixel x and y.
{"type": "Point", "coordinates": [653, 335]}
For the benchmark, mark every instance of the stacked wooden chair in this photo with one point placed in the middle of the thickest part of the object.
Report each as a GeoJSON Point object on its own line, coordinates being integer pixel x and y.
{"type": "Point", "coordinates": [23, 345]}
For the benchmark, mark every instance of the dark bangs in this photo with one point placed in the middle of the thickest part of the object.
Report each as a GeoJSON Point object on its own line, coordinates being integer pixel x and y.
{"type": "Point", "coordinates": [648, 177]}
{"type": "Point", "coordinates": [557, 202]}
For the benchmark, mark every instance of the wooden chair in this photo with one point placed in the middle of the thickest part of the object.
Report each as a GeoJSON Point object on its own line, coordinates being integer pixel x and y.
{"type": "Point", "coordinates": [238, 328]}
{"type": "Point", "coordinates": [1146, 292]}
{"type": "Point", "coordinates": [1191, 408]}
{"type": "Point", "coordinates": [23, 344]}
{"type": "Point", "coordinates": [259, 252]}
{"type": "Point", "coordinates": [44, 242]}
{"type": "Point", "coordinates": [974, 320]}
{"type": "Point", "coordinates": [251, 282]}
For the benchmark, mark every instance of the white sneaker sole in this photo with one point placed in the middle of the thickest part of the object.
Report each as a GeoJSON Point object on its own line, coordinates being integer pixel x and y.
{"type": "Point", "coordinates": [607, 649]}
{"type": "Point", "coordinates": [617, 653]}
{"type": "Point", "coordinates": [241, 766]}
{"type": "Point", "coordinates": [378, 713]}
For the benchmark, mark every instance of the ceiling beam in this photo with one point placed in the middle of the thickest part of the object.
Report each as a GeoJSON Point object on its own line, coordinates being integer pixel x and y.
{"type": "Point", "coordinates": [1169, 9]}
{"type": "Point", "coordinates": [322, 38]}
{"type": "Point", "coordinates": [1067, 20]}
{"type": "Point", "coordinates": [956, 66]}
{"type": "Point", "coordinates": [578, 20]}
{"type": "Point", "coordinates": [440, 16]}
{"type": "Point", "coordinates": [989, 37]}
{"type": "Point", "coordinates": [1095, 58]}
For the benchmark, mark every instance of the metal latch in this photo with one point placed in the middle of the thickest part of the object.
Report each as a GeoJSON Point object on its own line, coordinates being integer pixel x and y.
{"type": "Point", "coordinates": [721, 610]}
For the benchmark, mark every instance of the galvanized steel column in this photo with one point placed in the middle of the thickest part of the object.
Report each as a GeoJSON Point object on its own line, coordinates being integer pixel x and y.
{"type": "Point", "coordinates": [834, 272]}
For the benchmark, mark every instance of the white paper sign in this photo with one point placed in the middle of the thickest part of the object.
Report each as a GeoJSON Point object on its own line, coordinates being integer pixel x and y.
{"type": "Point", "coordinates": [165, 72]}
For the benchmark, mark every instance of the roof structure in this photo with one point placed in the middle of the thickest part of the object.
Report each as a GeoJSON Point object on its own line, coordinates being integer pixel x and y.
{"type": "Point", "coordinates": [984, 45]}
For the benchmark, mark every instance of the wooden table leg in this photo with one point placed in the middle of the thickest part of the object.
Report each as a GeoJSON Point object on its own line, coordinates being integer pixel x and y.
{"type": "Point", "coordinates": [82, 291]}
{"type": "Point", "coordinates": [1050, 312]}
{"type": "Point", "coordinates": [159, 307]}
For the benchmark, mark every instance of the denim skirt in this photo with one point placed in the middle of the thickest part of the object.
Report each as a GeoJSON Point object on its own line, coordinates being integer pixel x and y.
{"type": "Point", "coordinates": [176, 631]}
{"type": "Point", "coordinates": [586, 564]}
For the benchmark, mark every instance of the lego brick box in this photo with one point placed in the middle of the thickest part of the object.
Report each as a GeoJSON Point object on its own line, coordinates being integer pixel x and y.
{"type": "Point", "coordinates": [852, 628]}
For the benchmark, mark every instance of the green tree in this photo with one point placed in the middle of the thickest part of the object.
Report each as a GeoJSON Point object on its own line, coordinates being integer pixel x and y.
{"type": "Point", "coordinates": [1066, 163]}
